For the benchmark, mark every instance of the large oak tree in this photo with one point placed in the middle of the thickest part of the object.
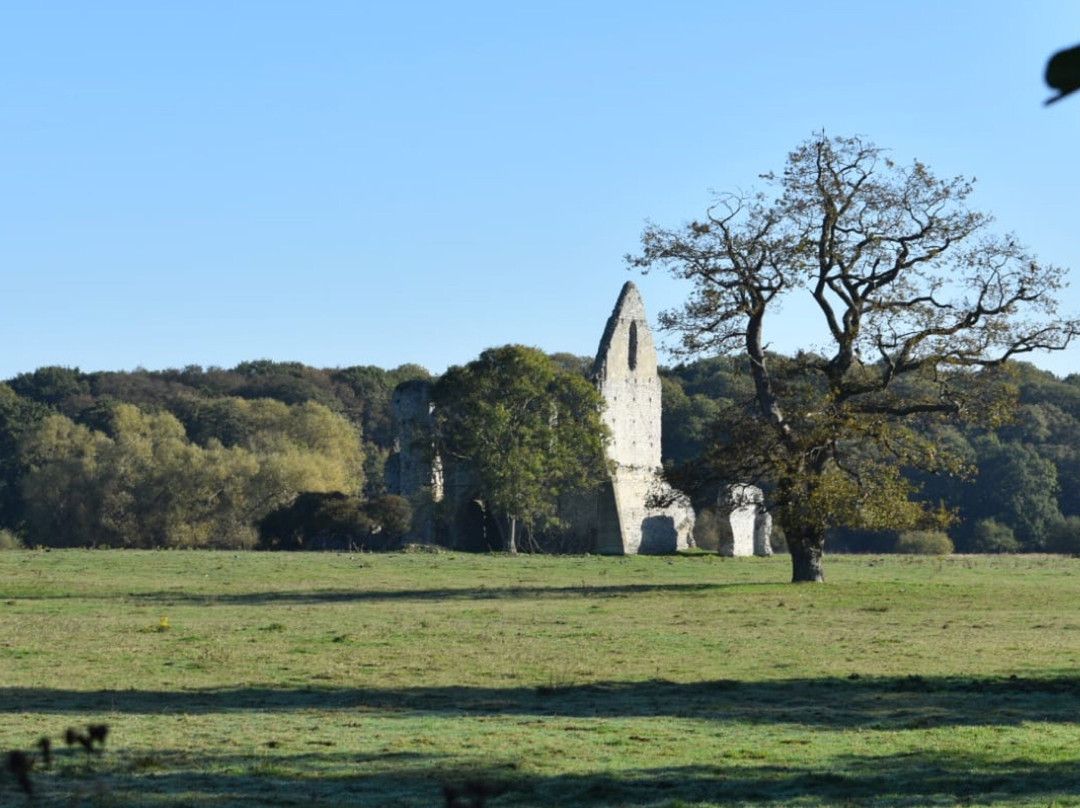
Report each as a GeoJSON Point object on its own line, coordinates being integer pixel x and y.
{"type": "Point", "coordinates": [913, 294]}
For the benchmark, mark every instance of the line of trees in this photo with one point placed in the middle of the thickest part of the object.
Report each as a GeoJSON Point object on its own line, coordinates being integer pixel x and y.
{"type": "Point", "coordinates": [198, 458]}
{"type": "Point", "coordinates": [214, 458]}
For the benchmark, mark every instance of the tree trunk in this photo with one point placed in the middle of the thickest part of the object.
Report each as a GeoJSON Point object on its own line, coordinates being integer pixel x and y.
{"type": "Point", "coordinates": [511, 541]}
{"type": "Point", "coordinates": [807, 552]}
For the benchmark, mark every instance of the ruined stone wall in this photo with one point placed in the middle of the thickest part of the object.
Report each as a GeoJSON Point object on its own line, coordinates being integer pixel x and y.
{"type": "Point", "coordinates": [415, 471]}
{"type": "Point", "coordinates": [416, 466]}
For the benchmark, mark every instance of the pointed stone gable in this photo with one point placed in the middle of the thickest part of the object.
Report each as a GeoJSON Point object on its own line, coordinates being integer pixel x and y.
{"type": "Point", "coordinates": [626, 375]}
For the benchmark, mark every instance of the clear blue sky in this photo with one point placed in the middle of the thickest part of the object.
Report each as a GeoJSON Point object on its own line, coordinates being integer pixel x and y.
{"type": "Point", "coordinates": [339, 182]}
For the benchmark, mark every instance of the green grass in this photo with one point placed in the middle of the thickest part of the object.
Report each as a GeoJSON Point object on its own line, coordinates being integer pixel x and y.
{"type": "Point", "coordinates": [324, 679]}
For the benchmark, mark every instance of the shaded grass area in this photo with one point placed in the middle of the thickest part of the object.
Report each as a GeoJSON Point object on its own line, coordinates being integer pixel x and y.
{"type": "Point", "coordinates": [902, 779]}
{"type": "Point", "coordinates": [372, 680]}
{"type": "Point", "coordinates": [884, 703]}
{"type": "Point", "coordinates": [942, 772]}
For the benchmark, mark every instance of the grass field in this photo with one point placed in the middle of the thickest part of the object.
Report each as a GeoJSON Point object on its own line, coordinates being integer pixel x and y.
{"type": "Point", "coordinates": [360, 680]}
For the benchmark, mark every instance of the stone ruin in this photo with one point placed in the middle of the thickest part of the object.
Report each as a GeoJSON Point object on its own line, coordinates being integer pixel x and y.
{"type": "Point", "coordinates": [745, 525]}
{"type": "Point", "coordinates": [634, 512]}
{"type": "Point", "coordinates": [414, 465]}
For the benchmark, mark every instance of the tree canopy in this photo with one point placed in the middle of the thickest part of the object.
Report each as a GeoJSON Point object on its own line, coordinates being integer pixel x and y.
{"type": "Point", "coordinates": [528, 429]}
{"type": "Point", "coordinates": [913, 292]}
{"type": "Point", "coordinates": [143, 483]}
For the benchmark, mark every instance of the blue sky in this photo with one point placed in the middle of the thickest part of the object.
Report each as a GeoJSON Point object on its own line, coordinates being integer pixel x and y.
{"type": "Point", "coordinates": [343, 183]}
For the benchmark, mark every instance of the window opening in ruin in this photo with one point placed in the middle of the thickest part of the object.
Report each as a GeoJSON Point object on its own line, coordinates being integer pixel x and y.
{"type": "Point", "coordinates": [632, 357]}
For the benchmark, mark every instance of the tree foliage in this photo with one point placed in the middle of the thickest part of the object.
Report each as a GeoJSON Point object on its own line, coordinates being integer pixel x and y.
{"type": "Point", "coordinates": [991, 536]}
{"type": "Point", "coordinates": [18, 417]}
{"type": "Point", "coordinates": [529, 430]}
{"type": "Point", "coordinates": [913, 293]}
{"type": "Point", "coordinates": [143, 483]}
{"type": "Point", "coordinates": [1018, 486]}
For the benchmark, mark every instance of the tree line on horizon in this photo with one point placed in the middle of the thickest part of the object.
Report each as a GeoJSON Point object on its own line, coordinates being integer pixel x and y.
{"type": "Point", "coordinates": [249, 456]}
{"type": "Point", "coordinates": [197, 458]}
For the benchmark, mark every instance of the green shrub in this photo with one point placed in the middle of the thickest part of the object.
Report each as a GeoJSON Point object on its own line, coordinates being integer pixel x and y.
{"type": "Point", "coordinates": [1064, 536]}
{"type": "Point", "coordinates": [9, 540]}
{"type": "Point", "coordinates": [923, 542]}
{"type": "Point", "coordinates": [990, 536]}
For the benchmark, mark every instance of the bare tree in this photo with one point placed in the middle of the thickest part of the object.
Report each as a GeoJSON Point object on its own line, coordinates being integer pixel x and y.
{"type": "Point", "coordinates": [913, 294]}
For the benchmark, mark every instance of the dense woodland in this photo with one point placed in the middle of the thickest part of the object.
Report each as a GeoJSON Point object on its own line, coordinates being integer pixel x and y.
{"type": "Point", "coordinates": [281, 455]}
{"type": "Point", "coordinates": [199, 458]}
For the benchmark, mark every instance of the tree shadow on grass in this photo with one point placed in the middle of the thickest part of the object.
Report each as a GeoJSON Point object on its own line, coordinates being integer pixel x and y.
{"type": "Point", "coordinates": [880, 703]}
{"type": "Point", "coordinates": [441, 594]}
{"type": "Point", "coordinates": [331, 596]}
{"type": "Point", "coordinates": [172, 779]}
